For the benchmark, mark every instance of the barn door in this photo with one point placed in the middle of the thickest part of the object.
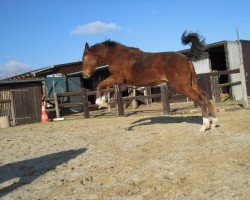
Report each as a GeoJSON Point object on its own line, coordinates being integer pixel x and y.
{"type": "Point", "coordinates": [21, 106]}
{"type": "Point", "coordinates": [27, 105]}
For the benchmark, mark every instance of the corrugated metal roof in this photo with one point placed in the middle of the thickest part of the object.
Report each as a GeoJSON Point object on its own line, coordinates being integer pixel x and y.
{"type": "Point", "coordinates": [207, 46]}
{"type": "Point", "coordinates": [6, 82]}
{"type": "Point", "coordinates": [43, 72]}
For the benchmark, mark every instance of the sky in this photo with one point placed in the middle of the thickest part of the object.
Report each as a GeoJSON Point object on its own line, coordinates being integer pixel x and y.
{"type": "Point", "coordinates": [41, 33]}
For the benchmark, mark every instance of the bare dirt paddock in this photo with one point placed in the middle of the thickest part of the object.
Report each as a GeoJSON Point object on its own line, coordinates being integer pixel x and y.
{"type": "Point", "coordinates": [145, 155]}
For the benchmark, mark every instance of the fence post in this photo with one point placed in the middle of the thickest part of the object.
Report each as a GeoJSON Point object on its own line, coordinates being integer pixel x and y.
{"type": "Point", "coordinates": [165, 98]}
{"type": "Point", "coordinates": [85, 102]}
{"type": "Point", "coordinates": [56, 105]}
{"type": "Point", "coordinates": [12, 105]}
{"type": "Point", "coordinates": [119, 100]}
{"type": "Point", "coordinates": [134, 102]}
{"type": "Point", "coordinates": [216, 89]}
{"type": "Point", "coordinates": [146, 92]}
{"type": "Point", "coordinates": [56, 101]}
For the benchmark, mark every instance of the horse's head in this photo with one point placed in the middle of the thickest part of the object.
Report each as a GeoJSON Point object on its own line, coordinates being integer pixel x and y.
{"type": "Point", "coordinates": [89, 62]}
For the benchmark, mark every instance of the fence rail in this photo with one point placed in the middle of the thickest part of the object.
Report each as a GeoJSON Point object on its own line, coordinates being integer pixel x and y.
{"type": "Point", "coordinates": [215, 85]}
{"type": "Point", "coordinates": [5, 100]}
{"type": "Point", "coordinates": [220, 73]}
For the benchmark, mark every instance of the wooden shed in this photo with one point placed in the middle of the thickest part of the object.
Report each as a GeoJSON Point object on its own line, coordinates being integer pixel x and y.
{"type": "Point", "coordinates": [21, 100]}
{"type": "Point", "coordinates": [226, 55]}
{"type": "Point", "coordinates": [66, 77]}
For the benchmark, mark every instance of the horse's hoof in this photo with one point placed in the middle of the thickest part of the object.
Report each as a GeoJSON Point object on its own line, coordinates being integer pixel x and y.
{"type": "Point", "coordinates": [204, 128]}
{"type": "Point", "coordinates": [98, 101]}
{"type": "Point", "coordinates": [103, 105]}
{"type": "Point", "coordinates": [215, 123]}
{"type": "Point", "coordinates": [206, 124]}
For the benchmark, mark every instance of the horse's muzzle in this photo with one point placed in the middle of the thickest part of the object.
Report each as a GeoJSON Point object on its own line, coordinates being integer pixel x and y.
{"type": "Point", "coordinates": [85, 76]}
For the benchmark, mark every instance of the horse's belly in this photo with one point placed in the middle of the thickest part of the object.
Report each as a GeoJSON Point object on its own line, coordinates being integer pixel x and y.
{"type": "Point", "coordinates": [146, 79]}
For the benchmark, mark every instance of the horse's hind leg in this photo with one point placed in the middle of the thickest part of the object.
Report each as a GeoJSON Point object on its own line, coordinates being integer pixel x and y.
{"type": "Point", "coordinates": [209, 106]}
{"type": "Point", "coordinates": [199, 98]}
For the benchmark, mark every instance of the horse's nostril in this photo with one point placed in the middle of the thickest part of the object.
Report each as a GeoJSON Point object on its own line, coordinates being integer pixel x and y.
{"type": "Point", "coordinates": [85, 76]}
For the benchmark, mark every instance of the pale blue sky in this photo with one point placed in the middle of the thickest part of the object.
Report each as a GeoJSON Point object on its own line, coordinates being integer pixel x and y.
{"type": "Point", "coordinates": [40, 33]}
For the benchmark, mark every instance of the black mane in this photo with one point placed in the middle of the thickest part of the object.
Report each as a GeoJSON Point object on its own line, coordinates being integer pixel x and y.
{"type": "Point", "coordinates": [107, 43]}
{"type": "Point", "coordinates": [110, 44]}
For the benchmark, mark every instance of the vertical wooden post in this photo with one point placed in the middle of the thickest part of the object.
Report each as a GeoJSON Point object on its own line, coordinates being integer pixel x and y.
{"type": "Point", "coordinates": [196, 79]}
{"type": "Point", "coordinates": [119, 100]}
{"type": "Point", "coordinates": [146, 92]}
{"type": "Point", "coordinates": [12, 105]}
{"type": "Point", "coordinates": [85, 102]}
{"type": "Point", "coordinates": [165, 98]}
{"type": "Point", "coordinates": [56, 105]}
{"type": "Point", "coordinates": [56, 101]}
{"type": "Point", "coordinates": [215, 88]}
{"type": "Point", "coordinates": [134, 102]}
{"type": "Point", "coordinates": [242, 74]}
{"type": "Point", "coordinates": [109, 100]}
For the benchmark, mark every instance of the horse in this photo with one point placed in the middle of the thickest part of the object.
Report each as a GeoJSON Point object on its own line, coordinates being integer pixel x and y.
{"type": "Point", "coordinates": [132, 66]}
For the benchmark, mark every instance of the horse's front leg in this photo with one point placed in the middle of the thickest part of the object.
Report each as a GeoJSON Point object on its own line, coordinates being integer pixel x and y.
{"type": "Point", "coordinates": [101, 99]}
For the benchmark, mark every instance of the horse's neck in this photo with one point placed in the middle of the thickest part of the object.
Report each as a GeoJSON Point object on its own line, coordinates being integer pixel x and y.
{"type": "Point", "coordinates": [120, 52]}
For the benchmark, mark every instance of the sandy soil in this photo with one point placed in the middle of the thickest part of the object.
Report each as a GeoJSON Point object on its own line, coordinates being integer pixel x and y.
{"type": "Point", "coordinates": [145, 155]}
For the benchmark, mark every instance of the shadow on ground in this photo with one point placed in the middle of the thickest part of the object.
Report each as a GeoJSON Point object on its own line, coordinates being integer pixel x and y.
{"type": "Point", "coordinates": [28, 170]}
{"type": "Point", "coordinates": [165, 120]}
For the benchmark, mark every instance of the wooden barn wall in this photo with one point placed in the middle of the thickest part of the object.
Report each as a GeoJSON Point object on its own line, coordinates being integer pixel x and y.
{"type": "Point", "coordinates": [26, 101]}
{"type": "Point", "coordinates": [5, 107]}
{"type": "Point", "coordinates": [233, 61]}
{"type": "Point", "coordinates": [246, 61]}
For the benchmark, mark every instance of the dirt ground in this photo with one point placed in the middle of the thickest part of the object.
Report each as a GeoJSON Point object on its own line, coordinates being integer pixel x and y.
{"type": "Point", "coordinates": [144, 155]}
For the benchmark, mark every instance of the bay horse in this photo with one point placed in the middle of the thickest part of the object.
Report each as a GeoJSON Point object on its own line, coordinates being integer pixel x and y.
{"type": "Point", "coordinates": [132, 66]}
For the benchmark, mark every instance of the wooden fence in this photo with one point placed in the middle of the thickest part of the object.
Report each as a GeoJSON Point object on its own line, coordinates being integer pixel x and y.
{"type": "Point", "coordinates": [214, 81]}
{"type": "Point", "coordinates": [117, 90]}
{"type": "Point", "coordinates": [164, 94]}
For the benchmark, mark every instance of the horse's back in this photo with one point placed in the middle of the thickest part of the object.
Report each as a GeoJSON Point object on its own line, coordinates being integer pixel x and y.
{"type": "Point", "coordinates": [154, 68]}
{"type": "Point", "coordinates": [164, 60]}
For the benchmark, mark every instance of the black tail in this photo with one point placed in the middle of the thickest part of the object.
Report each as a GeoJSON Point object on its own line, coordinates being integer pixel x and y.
{"type": "Point", "coordinates": [197, 45]}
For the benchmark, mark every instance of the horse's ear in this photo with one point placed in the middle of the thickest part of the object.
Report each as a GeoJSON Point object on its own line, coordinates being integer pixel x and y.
{"type": "Point", "coordinates": [86, 46]}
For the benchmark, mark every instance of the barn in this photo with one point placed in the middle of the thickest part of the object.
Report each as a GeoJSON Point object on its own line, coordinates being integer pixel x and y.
{"type": "Point", "coordinates": [226, 55]}
{"type": "Point", "coordinates": [21, 95]}
{"type": "Point", "coordinates": [21, 100]}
